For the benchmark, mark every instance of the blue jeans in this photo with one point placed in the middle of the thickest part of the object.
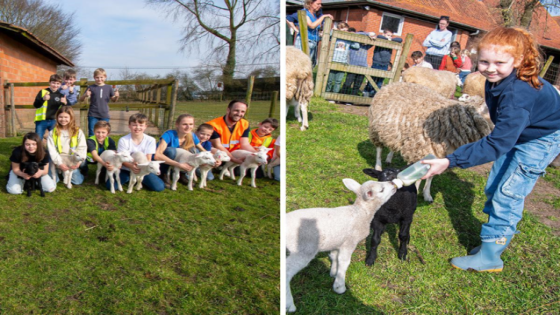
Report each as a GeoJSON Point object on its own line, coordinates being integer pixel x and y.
{"type": "Point", "coordinates": [170, 153]}
{"type": "Point", "coordinates": [276, 172]}
{"type": "Point", "coordinates": [377, 80]}
{"type": "Point", "coordinates": [463, 75]}
{"type": "Point", "coordinates": [334, 81]}
{"type": "Point", "coordinates": [312, 49]}
{"type": "Point", "coordinates": [352, 83]}
{"type": "Point", "coordinates": [150, 182]}
{"type": "Point", "coordinates": [91, 121]}
{"type": "Point", "coordinates": [77, 177]}
{"type": "Point", "coordinates": [511, 179]}
{"type": "Point", "coordinates": [43, 125]}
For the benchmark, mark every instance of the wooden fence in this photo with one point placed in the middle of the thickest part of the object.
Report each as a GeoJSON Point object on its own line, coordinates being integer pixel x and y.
{"type": "Point", "coordinates": [157, 101]}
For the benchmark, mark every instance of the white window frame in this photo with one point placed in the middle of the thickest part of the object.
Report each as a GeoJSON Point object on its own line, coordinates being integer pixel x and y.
{"type": "Point", "coordinates": [401, 22]}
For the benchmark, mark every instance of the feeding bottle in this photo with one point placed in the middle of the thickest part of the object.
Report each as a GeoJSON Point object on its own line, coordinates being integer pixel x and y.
{"type": "Point", "coordinates": [413, 173]}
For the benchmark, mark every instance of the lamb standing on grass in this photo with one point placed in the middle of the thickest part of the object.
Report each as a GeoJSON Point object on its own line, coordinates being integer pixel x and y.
{"type": "Point", "coordinates": [70, 160]}
{"type": "Point", "coordinates": [299, 83]}
{"type": "Point", "coordinates": [338, 230]}
{"type": "Point", "coordinates": [146, 167]}
{"type": "Point", "coordinates": [252, 161]}
{"type": "Point", "coordinates": [194, 160]}
{"type": "Point", "coordinates": [116, 159]}
{"type": "Point", "coordinates": [219, 156]}
{"type": "Point", "coordinates": [442, 82]}
{"type": "Point", "coordinates": [411, 119]}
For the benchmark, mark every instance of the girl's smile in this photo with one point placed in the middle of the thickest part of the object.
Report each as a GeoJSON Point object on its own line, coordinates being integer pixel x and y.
{"type": "Point", "coordinates": [186, 125]}
{"type": "Point", "coordinates": [63, 119]}
{"type": "Point", "coordinates": [496, 65]}
{"type": "Point", "coordinates": [30, 146]}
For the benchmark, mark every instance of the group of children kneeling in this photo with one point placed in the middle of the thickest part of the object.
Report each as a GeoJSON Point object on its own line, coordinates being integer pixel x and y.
{"type": "Point", "coordinates": [66, 137]}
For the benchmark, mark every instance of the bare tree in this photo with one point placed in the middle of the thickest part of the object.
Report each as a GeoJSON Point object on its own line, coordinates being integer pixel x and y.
{"type": "Point", "coordinates": [250, 25]}
{"type": "Point", "coordinates": [46, 21]}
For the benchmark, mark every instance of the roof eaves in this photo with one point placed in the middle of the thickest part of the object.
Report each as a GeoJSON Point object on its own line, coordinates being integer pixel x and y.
{"type": "Point", "coordinates": [35, 40]}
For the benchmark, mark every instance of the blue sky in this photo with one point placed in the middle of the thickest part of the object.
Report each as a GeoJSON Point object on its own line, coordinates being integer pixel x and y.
{"type": "Point", "coordinates": [127, 33]}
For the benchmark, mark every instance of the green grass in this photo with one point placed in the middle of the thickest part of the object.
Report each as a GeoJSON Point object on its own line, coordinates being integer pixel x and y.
{"type": "Point", "coordinates": [87, 251]}
{"type": "Point", "coordinates": [337, 146]}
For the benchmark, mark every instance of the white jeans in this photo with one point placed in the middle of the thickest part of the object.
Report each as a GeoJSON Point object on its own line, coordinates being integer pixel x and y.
{"type": "Point", "coordinates": [15, 184]}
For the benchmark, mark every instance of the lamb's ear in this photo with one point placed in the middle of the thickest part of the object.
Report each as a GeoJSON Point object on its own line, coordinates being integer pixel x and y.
{"type": "Point", "coordinates": [143, 164]}
{"type": "Point", "coordinates": [159, 162]}
{"type": "Point", "coordinates": [352, 185]}
{"type": "Point", "coordinates": [371, 172]}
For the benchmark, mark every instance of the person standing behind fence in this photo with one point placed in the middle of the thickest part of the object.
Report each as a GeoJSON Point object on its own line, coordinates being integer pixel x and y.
{"type": "Point", "coordinates": [340, 55]}
{"type": "Point", "coordinates": [100, 95]}
{"type": "Point", "coordinates": [358, 57]}
{"type": "Point", "coordinates": [438, 42]}
{"type": "Point", "coordinates": [47, 102]}
{"type": "Point", "coordinates": [452, 62]}
{"type": "Point", "coordinates": [68, 89]}
{"type": "Point", "coordinates": [381, 60]}
{"type": "Point", "coordinates": [418, 59]}
{"type": "Point", "coordinates": [314, 21]}
{"type": "Point", "coordinates": [465, 70]}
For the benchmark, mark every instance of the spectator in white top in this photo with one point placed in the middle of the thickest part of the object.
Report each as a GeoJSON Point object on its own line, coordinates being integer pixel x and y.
{"type": "Point", "coordinates": [418, 58]}
{"type": "Point", "coordinates": [438, 43]}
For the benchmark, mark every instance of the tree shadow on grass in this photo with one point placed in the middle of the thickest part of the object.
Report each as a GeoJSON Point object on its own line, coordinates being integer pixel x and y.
{"type": "Point", "coordinates": [458, 196]}
{"type": "Point", "coordinates": [313, 293]}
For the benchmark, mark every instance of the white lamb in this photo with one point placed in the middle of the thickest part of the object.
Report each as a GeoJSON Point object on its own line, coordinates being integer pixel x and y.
{"type": "Point", "coordinates": [146, 167]}
{"type": "Point", "coordinates": [252, 161]}
{"type": "Point", "coordinates": [116, 159]}
{"type": "Point", "coordinates": [70, 160]}
{"type": "Point", "coordinates": [219, 156]}
{"type": "Point", "coordinates": [338, 230]}
{"type": "Point", "coordinates": [194, 160]}
{"type": "Point", "coordinates": [299, 83]}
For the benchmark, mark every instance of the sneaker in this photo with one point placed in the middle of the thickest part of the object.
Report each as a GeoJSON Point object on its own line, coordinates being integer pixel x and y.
{"type": "Point", "coordinates": [349, 104]}
{"type": "Point", "coordinates": [332, 102]}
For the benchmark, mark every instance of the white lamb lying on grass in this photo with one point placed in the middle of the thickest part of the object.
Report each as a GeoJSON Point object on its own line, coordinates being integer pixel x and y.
{"type": "Point", "coordinates": [194, 160]}
{"type": "Point", "coordinates": [116, 159]}
{"type": "Point", "coordinates": [252, 161]}
{"type": "Point", "coordinates": [338, 230]}
{"type": "Point", "coordinates": [146, 167]}
{"type": "Point", "coordinates": [70, 160]}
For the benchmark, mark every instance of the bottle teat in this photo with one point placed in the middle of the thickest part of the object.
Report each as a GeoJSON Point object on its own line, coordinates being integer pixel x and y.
{"type": "Point", "coordinates": [398, 183]}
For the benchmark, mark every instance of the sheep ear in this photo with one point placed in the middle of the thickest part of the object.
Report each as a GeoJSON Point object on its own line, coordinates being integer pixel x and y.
{"type": "Point", "coordinates": [352, 185]}
{"type": "Point", "coordinates": [159, 162]}
{"type": "Point", "coordinates": [143, 164]}
{"type": "Point", "coordinates": [371, 172]}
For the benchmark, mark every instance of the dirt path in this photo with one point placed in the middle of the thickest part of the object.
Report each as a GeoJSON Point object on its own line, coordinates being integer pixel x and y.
{"type": "Point", "coordinates": [539, 202]}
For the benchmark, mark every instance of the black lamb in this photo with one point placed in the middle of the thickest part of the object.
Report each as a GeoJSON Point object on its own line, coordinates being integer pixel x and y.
{"type": "Point", "coordinates": [32, 184]}
{"type": "Point", "coordinates": [399, 209]}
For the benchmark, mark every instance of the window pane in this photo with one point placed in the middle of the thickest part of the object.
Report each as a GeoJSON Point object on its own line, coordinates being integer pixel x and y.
{"type": "Point", "coordinates": [390, 23]}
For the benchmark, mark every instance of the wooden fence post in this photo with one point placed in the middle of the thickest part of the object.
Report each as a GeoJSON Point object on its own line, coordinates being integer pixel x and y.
{"type": "Point", "coordinates": [168, 106]}
{"type": "Point", "coordinates": [273, 103]}
{"type": "Point", "coordinates": [302, 16]}
{"type": "Point", "coordinates": [321, 69]}
{"type": "Point", "coordinates": [157, 109]}
{"type": "Point", "coordinates": [12, 111]}
{"type": "Point", "coordinates": [546, 65]}
{"type": "Point", "coordinates": [403, 56]}
{"type": "Point", "coordinates": [173, 103]}
{"type": "Point", "coordinates": [250, 83]}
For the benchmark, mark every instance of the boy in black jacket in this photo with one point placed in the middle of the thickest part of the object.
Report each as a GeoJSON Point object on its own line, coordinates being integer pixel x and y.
{"type": "Point", "coordinates": [47, 102]}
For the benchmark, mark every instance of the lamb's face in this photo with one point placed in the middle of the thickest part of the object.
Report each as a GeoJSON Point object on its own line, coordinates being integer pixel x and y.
{"type": "Point", "coordinates": [261, 157]}
{"type": "Point", "coordinates": [153, 167]}
{"type": "Point", "coordinates": [125, 157]}
{"type": "Point", "coordinates": [221, 156]}
{"type": "Point", "coordinates": [30, 168]}
{"type": "Point", "coordinates": [206, 158]}
{"type": "Point", "coordinates": [386, 175]}
{"type": "Point", "coordinates": [378, 192]}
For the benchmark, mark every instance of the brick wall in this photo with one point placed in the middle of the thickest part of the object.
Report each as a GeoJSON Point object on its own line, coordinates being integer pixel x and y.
{"type": "Point", "coordinates": [19, 63]}
{"type": "Point", "coordinates": [370, 21]}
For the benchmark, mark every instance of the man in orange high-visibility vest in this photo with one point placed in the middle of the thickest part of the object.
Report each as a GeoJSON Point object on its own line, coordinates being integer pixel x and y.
{"type": "Point", "coordinates": [231, 132]}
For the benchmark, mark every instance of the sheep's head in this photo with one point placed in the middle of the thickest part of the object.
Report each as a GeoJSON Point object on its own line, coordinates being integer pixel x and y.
{"type": "Point", "coordinates": [125, 157]}
{"type": "Point", "coordinates": [260, 157]}
{"type": "Point", "coordinates": [77, 156]}
{"type": "Point", "coordinates": [371, 191]}
{"type": "Point", "coordinates": [480, 105]}
{"type": "Point", "coordinates": [221, 156]}
{"type": "Point", "coordinates": [205, 158]}
{"type": "Point", "coordinates": [153, 166]}
{"type": "Point", "coordinates": [386, 175]}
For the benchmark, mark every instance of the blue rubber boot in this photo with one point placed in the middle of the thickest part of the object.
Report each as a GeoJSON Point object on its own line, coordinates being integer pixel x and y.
{"type": "Point", "coordinates": [487, 259]}
{"type": "Point", "coordinates": [476, 249]}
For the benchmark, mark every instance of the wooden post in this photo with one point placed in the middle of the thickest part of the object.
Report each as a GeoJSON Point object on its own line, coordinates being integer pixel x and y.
{"type": "Point", "coordinates": [158, 100]}
{"type": "Point", "coordinates": [273, 103]}
{"type": "Point", "coordinates": [173, 103]}
{"type": "Point", "coordinates": [321, 69]}
{"type": "Point", "coordinates": [250, 82]}
{"type": "Point", "coordinates": [167, 106]}
{"type": "Point", "coordinates": [546, 65]}
{"type": "Point", "coordinates": [84, 120]}
{"type": "Point", "coordinates": [404, 54]}
{"type": "Point", "coordinates": [12, 111]}
{"type": "Point", "coordinates": [302, 16]}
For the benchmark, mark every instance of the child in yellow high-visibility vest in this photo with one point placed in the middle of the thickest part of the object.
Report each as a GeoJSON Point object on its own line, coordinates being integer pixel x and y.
{"type": "Point", "coordinates": [262, 136]}
{"type": "Point", "coordinates": [66, 138]}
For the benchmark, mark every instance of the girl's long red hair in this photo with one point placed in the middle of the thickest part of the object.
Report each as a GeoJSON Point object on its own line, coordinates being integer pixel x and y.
{"type": "Point", "coordinates": [521, 44]}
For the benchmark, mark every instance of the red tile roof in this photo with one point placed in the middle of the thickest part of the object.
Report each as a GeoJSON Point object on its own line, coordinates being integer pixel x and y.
{"type": "Point", "coordinates": [27, 37]}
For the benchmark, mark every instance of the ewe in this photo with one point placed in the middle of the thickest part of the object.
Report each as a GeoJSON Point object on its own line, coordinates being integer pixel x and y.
{"type": "Point", "coordinates": [338, 230]}
{"type": "Point", "coordinates": [413, 120]}
{"type": "Point", "coordinates": [299, 83]}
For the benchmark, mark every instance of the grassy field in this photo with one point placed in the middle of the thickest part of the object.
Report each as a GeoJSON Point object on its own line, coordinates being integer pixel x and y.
{"type": "Point", "coordinates": [87, 251]}
{"type": "Point", "coordinates": [336, 146]}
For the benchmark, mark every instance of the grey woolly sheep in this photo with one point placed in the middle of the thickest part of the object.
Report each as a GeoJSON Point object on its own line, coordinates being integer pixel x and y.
{"type": "Point", "coordinates": [299, 83]}
{"type": "Point", "coordinates": [442, 82]}
{"type": "Point", "coordinates": [413, 120]}
{"type": "Point", "coordinates": [474, 84]}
